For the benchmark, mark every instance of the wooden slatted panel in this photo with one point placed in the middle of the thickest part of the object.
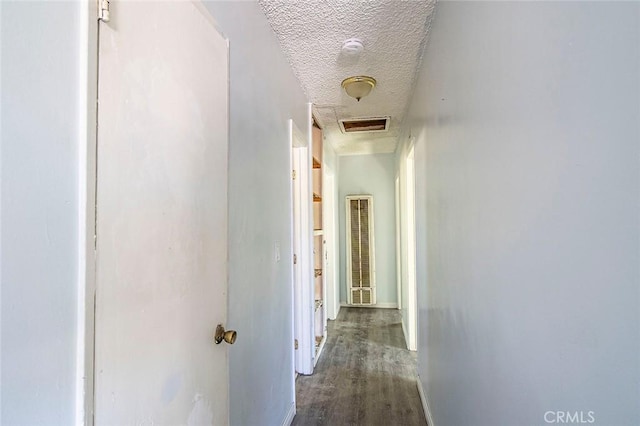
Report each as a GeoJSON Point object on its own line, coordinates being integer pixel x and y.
{"type": "Point", "coordinates": [366, 296]}
{"type": "Point", "coordinates": [361, 277]}
{"type": "Point", "coordinates": [356, 267]}
{"type": "Point", "coordinates": [356, 298]}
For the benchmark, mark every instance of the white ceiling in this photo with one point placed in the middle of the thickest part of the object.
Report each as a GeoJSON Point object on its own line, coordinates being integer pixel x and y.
{"type": "Point", "coordinates": [393, 33]}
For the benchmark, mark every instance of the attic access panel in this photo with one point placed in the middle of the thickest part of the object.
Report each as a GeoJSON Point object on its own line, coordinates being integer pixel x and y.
{"type": "Point", "coordinates": [364, 125]}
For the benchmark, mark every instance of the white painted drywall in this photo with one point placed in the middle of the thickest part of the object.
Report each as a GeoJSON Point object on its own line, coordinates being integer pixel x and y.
{"type": "Point", "coordinates": [527, 125]}
{"type": "Point", "coordinates": [371, 175]}
{"type": "Point", "coordinates": [40, 95]}
{"type": "Point", "coordinates": [329, 156]}
{"type": "Point", "coordinates": [264, 96]}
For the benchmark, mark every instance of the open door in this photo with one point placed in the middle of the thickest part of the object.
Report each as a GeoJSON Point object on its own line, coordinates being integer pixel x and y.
{"type": "Point", "coordinates": [161, 247]}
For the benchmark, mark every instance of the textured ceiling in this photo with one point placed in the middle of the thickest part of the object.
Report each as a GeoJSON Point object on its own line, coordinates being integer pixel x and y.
{"type": "Point", "coordinates": [393, 33]}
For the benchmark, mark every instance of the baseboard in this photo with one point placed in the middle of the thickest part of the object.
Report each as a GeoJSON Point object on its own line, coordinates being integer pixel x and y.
{"type": "Point", "coordinates": [425, 404]}
{"type": "Point", "coordinates": [290, 415]}
{"type": "Point", "coordinates": [319, 351]}
{"type": "Point", "coordinates": [405, 334]}
{"type": "Point", "coordinates": [377, 305]}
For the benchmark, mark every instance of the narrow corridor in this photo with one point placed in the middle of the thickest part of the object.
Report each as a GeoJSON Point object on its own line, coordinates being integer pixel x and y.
{"type": "Point", "coordinates": [365, 375]}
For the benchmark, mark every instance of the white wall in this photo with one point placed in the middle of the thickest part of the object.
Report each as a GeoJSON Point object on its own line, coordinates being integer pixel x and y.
{"type": "Point", "coordinates": [527, 125]}
{"type": "Point", "coordinates": [371, 175]}
{"type": "Point", "coordinates": [40, 133]}
{"type": "Point", "coordinates": [264, 95]}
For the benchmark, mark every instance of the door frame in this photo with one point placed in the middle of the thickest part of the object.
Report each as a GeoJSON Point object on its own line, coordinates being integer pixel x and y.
{"type": "Point", "coordinates": [398, 242]}
{"type": "Point", "coordinates": [329, 225]}
{"type": "Point", "coordinates": [87, 180]}
{"type": "Point", "coordinates": [302, 249]}
{"type": "Point", "coordinates": [410, 214]}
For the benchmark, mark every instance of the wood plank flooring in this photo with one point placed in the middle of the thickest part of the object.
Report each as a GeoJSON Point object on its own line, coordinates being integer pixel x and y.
{"type": "Point", "coordinates": [365, 375]}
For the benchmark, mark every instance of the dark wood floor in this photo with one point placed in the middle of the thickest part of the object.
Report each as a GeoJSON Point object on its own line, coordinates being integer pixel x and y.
{"type": "Point", "coordinates": [365, 375]}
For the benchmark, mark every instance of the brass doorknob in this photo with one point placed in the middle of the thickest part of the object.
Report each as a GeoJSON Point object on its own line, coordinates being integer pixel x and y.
{"type": "Point", "coordinates": [228, 336]}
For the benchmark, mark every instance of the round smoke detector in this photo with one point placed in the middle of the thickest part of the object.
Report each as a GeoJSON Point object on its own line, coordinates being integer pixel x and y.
{"type": "Point", "coordinates": [352, 46]}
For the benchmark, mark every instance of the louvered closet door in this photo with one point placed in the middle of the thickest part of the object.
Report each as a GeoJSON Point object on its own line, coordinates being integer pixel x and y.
{"type": "Point", "coordinates": [360, 248]}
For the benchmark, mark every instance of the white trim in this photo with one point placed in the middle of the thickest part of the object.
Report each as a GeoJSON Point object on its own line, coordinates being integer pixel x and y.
{"type": "Point", "coordinates": [405, 334]}
{"type": "Point", "coordinates": [295, 244]}
{"type": "Point", "coordinates": [398, 242]}
{"type": "Point", "coordinates": [377, 305]}
{"type": "Point", "coordinates": [331, 261]}
{"type": "Point", "coordinates": [1, 225]}
{"type": "Point", "coordinates": [86, 279]}
{"type": "Point", "coordinates": [292, 234]}
{"type": "Point", "coordinates": [319, 351]}
{"type": "Point", "coordinates": [425, 403]}
{"type": "Point", "coordinates": [290, 415]}
{"type": "Point", "coordinates": [412, 299]}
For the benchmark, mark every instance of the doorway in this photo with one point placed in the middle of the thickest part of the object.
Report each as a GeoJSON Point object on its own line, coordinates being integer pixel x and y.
{"type": "Point", "coordinates": [304, 343]}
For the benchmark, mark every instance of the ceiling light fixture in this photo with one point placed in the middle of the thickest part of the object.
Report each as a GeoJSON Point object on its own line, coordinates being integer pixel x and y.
{"type": "Point", "coordinates": [358, 86]}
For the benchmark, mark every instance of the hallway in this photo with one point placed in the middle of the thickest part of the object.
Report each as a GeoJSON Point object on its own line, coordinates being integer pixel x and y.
{"type": "Point", "coordinates": [365, 376]}
{"type": "Point", "coordinates": [146, 209]}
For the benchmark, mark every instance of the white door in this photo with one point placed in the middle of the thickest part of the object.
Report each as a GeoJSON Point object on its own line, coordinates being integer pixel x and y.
{"type": "Point", "coordinates": [161, 263]}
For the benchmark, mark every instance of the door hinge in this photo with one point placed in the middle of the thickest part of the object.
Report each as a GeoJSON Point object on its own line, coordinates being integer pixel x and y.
{"type": "Point", "coordinates": [295, 259]}
{"type": "Point", "coordinates": [294, 175]}
{"type": "Point", "coordinates": [295, 343]}
{"type": "Point", "coordinates": [103, 11]}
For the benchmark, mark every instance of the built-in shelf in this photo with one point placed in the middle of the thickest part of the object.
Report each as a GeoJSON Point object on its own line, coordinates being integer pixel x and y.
{"type": "Point", "coordinates": [317, 198]}
{"type": "Point", "coordinates": [317, 232]}
{"type": "Point", "coordinates": [316, 163]}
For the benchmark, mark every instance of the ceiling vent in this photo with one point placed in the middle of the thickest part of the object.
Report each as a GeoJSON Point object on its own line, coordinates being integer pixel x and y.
{"type": "Point", "coordinates": [365, 125]}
